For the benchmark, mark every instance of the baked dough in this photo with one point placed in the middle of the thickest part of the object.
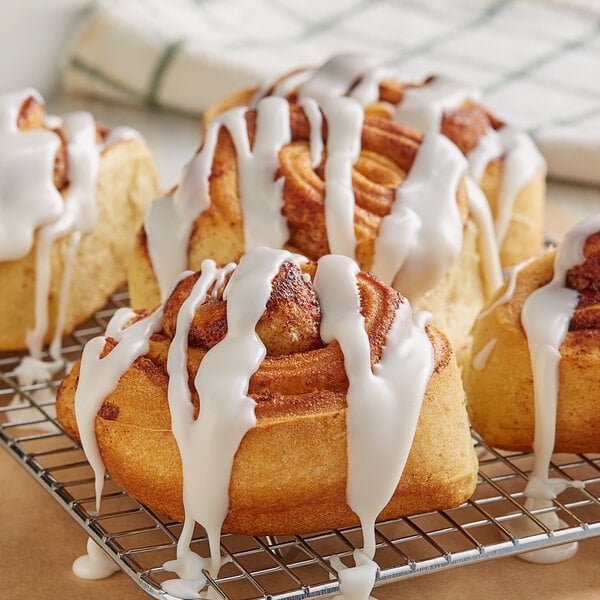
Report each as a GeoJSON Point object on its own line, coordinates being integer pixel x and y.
{"type": "Point", "coordinates": [518, 212]}
{"type": "Point", "coordinates": [126, 182]}
{"type": "Point", "coordinates": [289, 474]}
{"type": "Point", "coordinates": [449, 271]}
{"type": "Point", "coordinates": [500, 388]}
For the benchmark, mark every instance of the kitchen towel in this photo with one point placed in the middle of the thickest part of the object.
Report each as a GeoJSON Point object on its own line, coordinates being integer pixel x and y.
{"type": "Point", "coordinates": [537, 62]}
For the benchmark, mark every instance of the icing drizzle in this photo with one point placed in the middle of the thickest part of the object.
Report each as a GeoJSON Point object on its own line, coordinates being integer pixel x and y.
{"type": "Point", "coordinates": [545, 317]}
{"type": "Point", "coordinates": [425, 212]}
{"type": "Point", "coordinates": [422, 236]}
{"type": "Point", "coordinates": [30, 203]}
{"type": "Point", "coordinates": [379, 435]}
{"type": "Point", "coordinates": [423, 108]}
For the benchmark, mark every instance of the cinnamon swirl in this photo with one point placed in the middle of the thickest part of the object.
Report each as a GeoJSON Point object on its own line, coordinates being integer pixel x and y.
{"type": "Point", "coordinates": [502, 158]}
{"type": "Point", "coordinates": [327, 179]}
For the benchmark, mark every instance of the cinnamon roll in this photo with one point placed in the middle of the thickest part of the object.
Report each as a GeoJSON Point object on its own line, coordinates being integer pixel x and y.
{"type": "Point", "coordinates": [503, 160]}
{"type": "Point", "coordinates": [72, 199]}
{"type": "Point", "coordinates": [277, 396]}
{"type": "Point", "coordinates": [318, 179]}
{"type": "Point", "coordinates": [533, 382]}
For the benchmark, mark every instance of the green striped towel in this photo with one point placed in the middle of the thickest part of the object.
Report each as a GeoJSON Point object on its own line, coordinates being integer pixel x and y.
{"type": "Point", "coordinates": [538, 63]}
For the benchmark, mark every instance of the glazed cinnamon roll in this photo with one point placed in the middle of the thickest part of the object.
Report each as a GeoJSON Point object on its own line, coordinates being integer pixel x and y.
{"type": "Point", "coordinates": [503, 160]}
{"type": "Point", "coordinates": [275, 396]}
{"type": "Point", "coordinates": [74, 196]}
{"type": "Point", "coordinates": [538, 338]}
{"type": "Point", "coordinates": [327, 179]}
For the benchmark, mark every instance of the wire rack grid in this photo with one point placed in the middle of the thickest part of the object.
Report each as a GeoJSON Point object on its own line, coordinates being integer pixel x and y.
{"type": "Point", "coordinates": [493, 523]}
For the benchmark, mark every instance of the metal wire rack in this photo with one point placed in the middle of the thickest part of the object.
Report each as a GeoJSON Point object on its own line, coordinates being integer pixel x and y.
{"type": "Point", "coordinates": [293, 567]}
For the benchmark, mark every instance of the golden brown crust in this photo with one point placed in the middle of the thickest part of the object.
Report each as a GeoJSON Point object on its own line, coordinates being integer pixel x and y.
{"type": "Point", "coordinates": [500, 397]}
{"type": "Point", "coordinates": [465, 126]}
{"type": "Point", "coordinates": [126, 183]}
{"type": "Point", "coordinates": [387, 154]}
{"type": "Point", "coordinates": [289, 473]}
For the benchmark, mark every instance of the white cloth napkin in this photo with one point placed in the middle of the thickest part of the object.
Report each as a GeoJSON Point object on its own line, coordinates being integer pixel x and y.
{"type": "Point", "coordinates": [538, 63]}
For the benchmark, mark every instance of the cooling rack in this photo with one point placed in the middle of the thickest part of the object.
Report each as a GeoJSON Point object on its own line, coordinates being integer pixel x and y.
{"type": "Point", "coordinates": [290, 567]}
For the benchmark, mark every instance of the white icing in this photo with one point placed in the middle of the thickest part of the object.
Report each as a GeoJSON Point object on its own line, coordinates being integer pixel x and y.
{"type": "Point", "coordinates": [169, 220]}
{"type": "Point", "coordinates": [30, 202]}
{"type": "Point", "coordinates": [356, 582]}
{"type": "Point", "coordinates": [423, 107]}
{"type": "Point", "coordinates": [488, 246]}
{"type": "Point", "coordinates": [480, 361]}
{"type": "Point", "coordinates": [284, 86]}
{"type": "Point", "coordinates": [78, 218]}
{"type": "Point", "coordinates": [315, 119]}
{"type": "Point", "coordinates": [120, 134]}
{"type": "Point", "coordinates": [545, 317]}
{"type": "Point", "coordinates": [261, 194]}
{"type": "Point", "coordinates": [208, 444]}
{"type": "Point", "coordinates": [384, 402]}
{"type": "Point", "coordinates": [336, 77]}
{"type": "Point", "coordinates": [522, 160]}
{"type": "Point", "coordinates": [98, 377]}
{"type": "Point", "coordinates": [95, 564]}
{"type": "Point", "coordinates": [526, 527]}
{"type": "Point", "coordinates": [31, 369]}
{"type": "Point", "coordinates": [344, 122]}
{"type": "Point", "coordinates": [426, 213]}
{"type": "Point", "coordinates": [28, 197]}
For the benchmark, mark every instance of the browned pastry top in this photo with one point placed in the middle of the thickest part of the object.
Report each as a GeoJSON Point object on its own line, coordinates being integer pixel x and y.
{"type": "Point", "coordinates": [300, 372]}
{"type": "Point", "coordinates": [585, 278]}
{"type": "Point", "coordinates": [464, 125]}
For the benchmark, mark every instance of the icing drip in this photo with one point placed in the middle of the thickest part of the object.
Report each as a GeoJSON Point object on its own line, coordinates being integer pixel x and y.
{"type": "Point", "coordinates": [120, 134]}
{"type": "Point", "coordinates": [99, 376]}
{"type": "Point", "coordinates": [386, 399]}
{"type": "Point", "coordinates": [226, 411]}
{"type": "Point", "coordinates": [28, 197]}
{"type": "Point", "coordinates": [95, 564]}
{"type": "Point", "coordinates": [488, 246]}
{"type": "Point", "coordinates": [78, 218]}
{"type": "Point", "coordinates": [423, 107]}
{"type": "Point", "coordinates": [344, 121]}
{"type": "Point", "coordinates": [545, 317]}
{"type": "Point", "coordinates": [522, 160]}
{"type": "Point", "coordinates": [422, 236]}
{"type": "Point", "coordinates": [356, 582]}
{"type": "Point", "coordinates": [261, 194]}
{"type": "Point", "coordinates": [169, 220]}
{"type": "Point", "coordinates": [29, 201]}
{"type": "Point", "coordinates": [480, 361]}
{"type": "Point", "coordinates": [315, 119]}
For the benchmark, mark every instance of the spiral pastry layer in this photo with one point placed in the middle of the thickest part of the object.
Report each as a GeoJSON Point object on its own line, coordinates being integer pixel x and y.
{"type": "Point", "coordinates": [290, 472]}
{"type": "Point", "coordinates": [325, 179]}
{"type": "Point", "coordinates": [502, 159]}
